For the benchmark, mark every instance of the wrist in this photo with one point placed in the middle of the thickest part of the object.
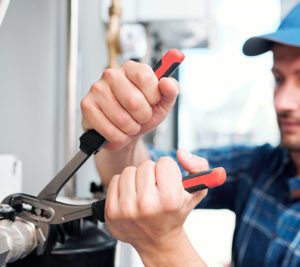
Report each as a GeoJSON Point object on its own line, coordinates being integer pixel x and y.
{"type": "Point", "coordinates": [177, 251]}
{"type": "Point", "coordinates": [124, 157]}
{"type": "Point", "coordinates": [110, 162]}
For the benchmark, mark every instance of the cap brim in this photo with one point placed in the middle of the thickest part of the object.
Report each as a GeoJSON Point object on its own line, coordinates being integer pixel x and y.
{"type": "Point", "coordinates": [261, 44]}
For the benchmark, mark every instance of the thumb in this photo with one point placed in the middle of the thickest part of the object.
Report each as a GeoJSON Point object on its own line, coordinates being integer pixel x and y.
{"type": "Point", "coordinates": [191, 163]}
{"type": "Point", "coordinates": [169, 89]}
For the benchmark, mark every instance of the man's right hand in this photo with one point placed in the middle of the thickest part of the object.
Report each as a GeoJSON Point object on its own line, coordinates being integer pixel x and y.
{"type": "Point", "coordinates": [147, 206]}
{"type": "Point", "coordinates": [127, 102]}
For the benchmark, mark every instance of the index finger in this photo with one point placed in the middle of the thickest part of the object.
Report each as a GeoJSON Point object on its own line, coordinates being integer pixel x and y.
{"type": "Point", "coordinates": [169, 183]}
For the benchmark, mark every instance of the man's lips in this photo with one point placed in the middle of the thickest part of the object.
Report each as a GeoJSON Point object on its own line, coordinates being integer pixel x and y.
{"type": "Point", "coordinates": [289, 125]}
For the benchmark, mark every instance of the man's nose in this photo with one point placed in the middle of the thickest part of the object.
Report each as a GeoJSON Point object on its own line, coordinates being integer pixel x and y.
{"type": "Point", "coordinates": [287, 98]}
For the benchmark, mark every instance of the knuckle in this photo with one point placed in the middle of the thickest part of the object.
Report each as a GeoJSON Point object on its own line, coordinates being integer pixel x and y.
{"type": "Point", "coordinates": [95, 88]}
{"type": "Point", "coordinates": [129, 169]}
{"type": "Point", "coordinates": [135, 102]}
{"type": "Point", "coordinates": [135, 129]}
{"type": "Point", "coordinates": [110, 212]}
{"type": "Point", "coordinates": [143, 208]}
{"type": "Point", "coordinates": [84, 104]}
{"type": "Point", "coordinates": [108, 74]}
{"type": "Point", "coordinates": [144, 204]}
{"type": "Point", "coordinates": [127, 211]}
{"type": "Point", "coordinates": [147, 115]}
{"type": "Point", "coordinates": [115, 180]}
{"type": "Point", "coordinates": [127, 64]}
{"type": "Point", "coordinates": [154, 98]}
{"type": "Point", "coordinates": [123, 119]}
{"type": "Point", "coordinates": [147, 164]}
{"type": "Point", "coordinates": [171, 203]}
{"type": "Point", "coordinates": [114, 136]}
{"type": "Point", "coordinates": [145, 76]}
{"type": "Point", "coordinates": [166, 161]}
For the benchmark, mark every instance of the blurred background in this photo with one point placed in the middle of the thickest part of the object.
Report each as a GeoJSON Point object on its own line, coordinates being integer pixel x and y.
{"type": "Point", "coordinates": [52, 51]}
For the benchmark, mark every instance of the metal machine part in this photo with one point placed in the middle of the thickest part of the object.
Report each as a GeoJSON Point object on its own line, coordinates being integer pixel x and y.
{"type": "Point", "coordinates": [17, 240]}
{"type": "Point", "coordinates": [7, 212]}
{"type": "Point", "coordinates": [76, 244]}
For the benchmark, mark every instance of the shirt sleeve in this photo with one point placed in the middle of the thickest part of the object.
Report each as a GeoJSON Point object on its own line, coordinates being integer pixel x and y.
{"type": "Point", "coordinates": [241, 164]}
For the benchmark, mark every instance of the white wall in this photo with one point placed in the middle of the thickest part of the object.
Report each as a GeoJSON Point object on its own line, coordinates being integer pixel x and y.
{"type": "Point", "coordinates": [31, 71]}
{"type": "Point", "coordinates": [92, 61]}
{"type": "Point", "coordinates": [33, 62]}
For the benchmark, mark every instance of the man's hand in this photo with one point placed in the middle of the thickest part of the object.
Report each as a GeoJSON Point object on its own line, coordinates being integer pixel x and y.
{"type": "Point", "coordinates": [127, 102]}
{"type": "Point", "coordinates": [147, 206]}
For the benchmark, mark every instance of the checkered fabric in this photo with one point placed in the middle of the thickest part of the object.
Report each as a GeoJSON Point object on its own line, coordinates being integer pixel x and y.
{"type": "Point", "coordinates": [261, 188]}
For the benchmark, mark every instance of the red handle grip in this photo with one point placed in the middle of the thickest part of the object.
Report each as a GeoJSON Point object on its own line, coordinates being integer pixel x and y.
{"type": "Point", "coordinates": [168, 64]}
{"type": "Point", "coordinates": [206, 179]}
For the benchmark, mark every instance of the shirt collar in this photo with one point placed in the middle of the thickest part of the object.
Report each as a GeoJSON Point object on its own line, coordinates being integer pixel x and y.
{"type": "Point", "coordinates": [293, 181]}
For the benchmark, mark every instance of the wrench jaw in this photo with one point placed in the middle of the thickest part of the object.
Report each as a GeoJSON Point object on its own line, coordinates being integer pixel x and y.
{"type": "Point", "coordinates": [42, 233]}
{"type": "Point", "coordinates": [46, 216]}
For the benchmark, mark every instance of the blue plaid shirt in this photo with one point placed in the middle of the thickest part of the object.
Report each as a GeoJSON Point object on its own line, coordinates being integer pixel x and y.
{"type": "Point", "coordinates": [259, 189]}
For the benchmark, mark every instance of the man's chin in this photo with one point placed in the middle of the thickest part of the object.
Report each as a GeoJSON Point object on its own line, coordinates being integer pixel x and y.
{"type": "Point", "coordinates": [292, 145]}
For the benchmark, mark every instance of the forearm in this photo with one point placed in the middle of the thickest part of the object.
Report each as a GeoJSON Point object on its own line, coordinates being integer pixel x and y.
{"type": "Point", "coordinates": [110, 162]}
{"type": "Point", "coordinates": [175, 254]}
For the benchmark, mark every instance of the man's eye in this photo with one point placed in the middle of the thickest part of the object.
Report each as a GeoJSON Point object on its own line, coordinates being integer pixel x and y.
{"type": "Point", "coordinates": [278, 80]}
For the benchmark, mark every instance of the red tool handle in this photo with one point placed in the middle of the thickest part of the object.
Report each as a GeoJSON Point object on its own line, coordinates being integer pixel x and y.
{"type": "Point", "coordinates": [169, 63]}
{"type": "Point", "coordinates": [207, 179]}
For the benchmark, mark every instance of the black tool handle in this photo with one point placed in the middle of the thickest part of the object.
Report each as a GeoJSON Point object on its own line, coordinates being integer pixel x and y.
{"type": "Point", "coordinates": [91, 141]}
{"type": "Point", "coordinates": [98, 210]}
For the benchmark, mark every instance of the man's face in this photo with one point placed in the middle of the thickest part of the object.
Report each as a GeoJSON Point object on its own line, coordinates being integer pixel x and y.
{"type": "Point", "coordinates": [286, 71]}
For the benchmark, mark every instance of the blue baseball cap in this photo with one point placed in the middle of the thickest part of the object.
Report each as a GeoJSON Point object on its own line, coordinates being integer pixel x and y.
{"type": "Point", "coordinates": [288, 33]}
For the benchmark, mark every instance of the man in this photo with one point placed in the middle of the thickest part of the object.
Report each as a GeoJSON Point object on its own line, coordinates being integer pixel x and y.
{"type": "Point", "coordinates": [146, 205]}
